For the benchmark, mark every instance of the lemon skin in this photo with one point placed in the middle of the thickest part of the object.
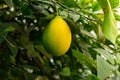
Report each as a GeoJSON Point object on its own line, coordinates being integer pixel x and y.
{"type": "Point", "coordinates": [57, 37]}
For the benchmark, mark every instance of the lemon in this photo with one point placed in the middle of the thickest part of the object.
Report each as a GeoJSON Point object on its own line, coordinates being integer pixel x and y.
{"type": "Point", "coordinates": [57, 37]}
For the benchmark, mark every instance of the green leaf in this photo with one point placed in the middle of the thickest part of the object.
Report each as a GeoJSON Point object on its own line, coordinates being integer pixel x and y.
{"type": "Point", "coordinates": [42, 50]}
{"type": "Point", "coordinates": [103, 3]}
{"type": "Point", "coordinates": [114, 3]}
{"type": "Point", "coordinates": [65, 72]}
{"type": "Point", "coordinates": [26, 9]}
{"type": "Point", "coordinates": [49, 17]}
{"type": "Point", "coordinates": [74, 28]}
{"type": "Point", "coordinates": [83, 59]}
{"type": "Point", "coordinates": [117, 17]}
{"type": "Point", "coordinates": [95, 6]}
{"type": "Point", "coordinates": [12, 45]}
{"type": "Point", "coordinates": [9, 3]}
{"type": "Point", "coordinates": [1, 36]}
{"type": "Point", "coordinates": [104, 69]}
{"type": "Point", "coordinates": [4, 31]}
{"type": "Point", "coordinates": [10, 28]}
{"type": "Point", "coordinates": [85, 32]}
{"type": "Point", "coordinates": [117, 58]}
{"type": "Point", "coordinates": [27, 44]}
{"type": "Point", "coordinates": [12, 58]}
{"type": "Point", "coordinates": [109, 27]}
{"type": "Point", "coordinates": [29, 76]}
{"type": "Point", "coordinates": [30, 49]}
{"type": "Point", "coordinates": [92, 77]}
{"type": "Point", "coordinates": [106, 54]}
{"type": "Point", "coordinates": [70, 3]}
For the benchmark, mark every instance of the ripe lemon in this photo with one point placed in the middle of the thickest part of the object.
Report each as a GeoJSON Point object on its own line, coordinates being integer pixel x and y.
{"type": "Point", "coordinates": [57, 37]}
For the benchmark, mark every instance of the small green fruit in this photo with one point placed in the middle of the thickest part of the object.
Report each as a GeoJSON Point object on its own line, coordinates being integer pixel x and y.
{"type": "Point", "coordinates": [57, 37]}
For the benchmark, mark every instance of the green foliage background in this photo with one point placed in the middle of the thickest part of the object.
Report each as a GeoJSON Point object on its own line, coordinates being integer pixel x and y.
{"type": "Point", "coordinates": [92, 55]}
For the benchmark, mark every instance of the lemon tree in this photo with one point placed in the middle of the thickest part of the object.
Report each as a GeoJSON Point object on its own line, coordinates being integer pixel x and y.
{"type": "Point", "coordinates": [59, 40]}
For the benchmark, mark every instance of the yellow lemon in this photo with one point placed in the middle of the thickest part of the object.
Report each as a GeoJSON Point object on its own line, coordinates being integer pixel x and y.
{"type": "Point", "coordinates": [57, 37]}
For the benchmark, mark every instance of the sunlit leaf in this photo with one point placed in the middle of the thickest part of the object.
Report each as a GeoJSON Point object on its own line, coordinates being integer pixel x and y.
{"type": "Point", "coordinates": [85, 60]}
{"type": "Point", "coordinates": [109, 27]}
{"type": "Point", "coordinates": [107, 55]}
{"type": "Point", "coordinates": [117, 17]}
{"type": "Point", "coordinates": [114, 3]}
{"type": "Point", "coordinates": [95, 6]}
{"type": "Point", "coordinates": [104, 69]}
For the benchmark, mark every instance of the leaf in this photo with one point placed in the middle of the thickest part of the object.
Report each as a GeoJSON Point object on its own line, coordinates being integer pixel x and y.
{"type": "Point", "coordinates": [11, 25]}
{"type": "Point", "coordinates": [74, 17]}
{"type": "Point", "coordinates": [103, 3]}
{"type": "Point", "coordinates": [92, 77]}
{"type": "Point", "coordinates": [117, 58]}
{"type": "Point", "coordinates": [42, 50]}
{"type": "Point", "coordinates": [4, 31]}
{"type": "Point", "coordinates": [65, 72]}
{"type": "Point", "coordinates": [1, 36]}
{"type": "Point", "coordinates": [84, 60]}
{"type": "Point", "coordinates": [114, 3]}
{"type": "Point", "coordinates": [109, 27]}
{"type": "Point", "coordinates": [9, 3]}
{"type": "Point", "coordinates": [95, 6]}
{"type": "Point", "coordinates": [29, 76]}
{"type": "Point", "coordinates": [12, 45]}
{"type": "Point", "coordinates": [106, 54]}
{"type": "Point", "coordinates": [70, 3]}
{"type": "Point", "coordinates": [28, 45]}
{"type": "Point", "coordinates": [73, 27]}
{"type": "Point", "coordinates": [39, 9]}
{"type": "Point", "coordinates": [30, 50]}
{"type": "Point", "coordinates": [12, 58]}
{"type": "Point", "coordinates": [117, 17]}
{"type": "Point", "coordinates": [104, 69]}
{"type": "Point", "coordinates": [10, 28]}
{"type": "Point", "coordinates": [49, 17]}
{"type": "Point", "coordinates": [26, 9]}
{"type": "Point", "coordinates": [85, 32]}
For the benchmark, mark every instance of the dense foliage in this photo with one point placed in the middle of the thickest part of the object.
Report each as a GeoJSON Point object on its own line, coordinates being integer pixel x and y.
{"type": "Point", "coordinates": [94, 52]}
